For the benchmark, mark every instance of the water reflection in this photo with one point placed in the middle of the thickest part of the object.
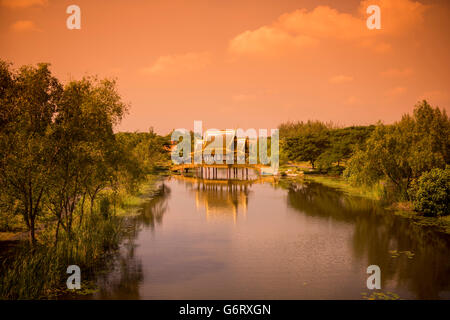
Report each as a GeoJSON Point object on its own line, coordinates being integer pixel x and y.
{"type": "Point", "coordinates": [378, 233]}
{"type": "Point", "coordinates": [152, 211]}
{"type": "Point", "coordinates": [222, 198]}
{"type": "Point", "coordinates": [125, 274]}
{"type": "Point", "coordinates": [294, 234]}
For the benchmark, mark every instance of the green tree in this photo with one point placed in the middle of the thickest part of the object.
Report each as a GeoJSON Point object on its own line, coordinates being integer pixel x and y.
{"type": "Point", "coordinates": [88, 153]}
{"type": "Point", "coordinates": [307, 147]}
{"type": "Point", "coordinates": [431, 192]}
{"type": "Point", "coordinates": [29, 99]}
{"type": "Point", "coordinates": [304, 141]}
{"type": "Point", "coordinates": [401, 152]}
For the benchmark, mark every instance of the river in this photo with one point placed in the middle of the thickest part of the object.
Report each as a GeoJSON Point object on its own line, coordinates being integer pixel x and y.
{"type": "Point", "coordinates": [268, 239]}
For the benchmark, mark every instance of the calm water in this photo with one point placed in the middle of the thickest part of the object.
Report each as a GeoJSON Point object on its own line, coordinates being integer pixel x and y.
{"type": "Point", "coordinates": [268, 240]}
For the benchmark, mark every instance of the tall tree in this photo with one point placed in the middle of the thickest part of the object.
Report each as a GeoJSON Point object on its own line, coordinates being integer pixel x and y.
{"type": "Point", "coordinates": [29, 99]}
{"type": "Point", "coordinates": [401, 152]}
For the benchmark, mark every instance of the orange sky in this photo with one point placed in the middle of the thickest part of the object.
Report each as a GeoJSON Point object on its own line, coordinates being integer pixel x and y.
{"type": "Point", "coordinates": [242, 63]}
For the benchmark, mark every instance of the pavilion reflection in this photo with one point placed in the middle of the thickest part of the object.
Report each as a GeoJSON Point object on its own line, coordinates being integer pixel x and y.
{"type": "Point", "coordinates": [222, 199]}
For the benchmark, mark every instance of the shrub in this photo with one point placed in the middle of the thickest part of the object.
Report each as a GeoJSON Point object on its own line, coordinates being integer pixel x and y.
{"type": "Point", "coordinates": [431, 193]}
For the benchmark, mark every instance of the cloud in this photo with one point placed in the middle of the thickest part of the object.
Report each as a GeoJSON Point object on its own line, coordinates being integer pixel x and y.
{"type": "Point", "coordinates": [295, 30]}
{"type": "Point", "coordinates": [268, 41]}
{"type": "Point", "coordinates": [397, 73]}
{"type": "Point", "coordinates": [397, 91]}
{"type": "Point", "coordinates": [22, 3]}
{"type": "Point", "coordinates": [174, 64]}
{"type": "Point", "coordinates": [24, 26]}
{"type": "Point", "coordinates": [302, 28]}
{"type": "Point", "coordinates": [340, 79]}
{"type": "Point", "coordinates": [322, 22]}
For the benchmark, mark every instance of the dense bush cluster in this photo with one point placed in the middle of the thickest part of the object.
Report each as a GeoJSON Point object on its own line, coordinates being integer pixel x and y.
{"type": "Point", "coordinates": [431, 192]}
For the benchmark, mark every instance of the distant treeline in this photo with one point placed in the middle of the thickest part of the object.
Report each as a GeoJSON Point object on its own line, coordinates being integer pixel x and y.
{"type": "Point", "coordinates": [322, 144]}
{"type": "Point", "coordinates": [409, 158]}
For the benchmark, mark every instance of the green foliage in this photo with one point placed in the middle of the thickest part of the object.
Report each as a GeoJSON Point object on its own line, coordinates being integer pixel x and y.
{"type": "Point", "coordinates": [307, 147]}
{"type": "Point", "coordinates": [431, 193]}
{"type": "Point", "coordinates": [40, 272]}
{"type": "Point", "coordinates": [401, 152]}
{"type": "Point", "coordinates": [105, 205]}
{"type": "Point", "coordinates": [29, 101]}
{"type": "Point", "coordinates": [59, 153]}
{"type": "Point", "coordinates": [148, 150]}
{"type": "Point", "coordinates": [320, 143]}
{"type": "Point", "coordinates": [294, 129]}
{"type": "Point", "coordinates": [59, 149]}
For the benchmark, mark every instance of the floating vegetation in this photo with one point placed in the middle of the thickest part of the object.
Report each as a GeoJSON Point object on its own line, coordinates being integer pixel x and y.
{"type": "Point", "coordinates": [88, 287]}
{"type": "Point", "coordinates": [379, 295]}
{"type": "Point", "coordinates": [396, 254]}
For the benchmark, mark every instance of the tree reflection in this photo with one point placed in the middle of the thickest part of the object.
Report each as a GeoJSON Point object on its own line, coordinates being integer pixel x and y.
{"type": "Point", "coordinates": [152, 211]}
{"type": "Point", "coordinates": [377, 232]}
{"type": "Point", "coordinates": [125, 272]}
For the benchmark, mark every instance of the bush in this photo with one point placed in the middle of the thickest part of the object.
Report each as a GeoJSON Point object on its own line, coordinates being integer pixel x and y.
{"type": "Point", "coordinates": [431, 193]}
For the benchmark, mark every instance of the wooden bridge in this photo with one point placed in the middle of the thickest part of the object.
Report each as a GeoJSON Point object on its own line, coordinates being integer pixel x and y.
{"type": "Point", "coordinates": [210, 169]}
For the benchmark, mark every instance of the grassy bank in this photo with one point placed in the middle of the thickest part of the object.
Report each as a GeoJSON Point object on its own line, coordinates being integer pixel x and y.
{"type": "Point", "coordinates": [40, 272]}
{"type": "Point", "coordinates": [374, 193]}
{"type": "Point", "coordinates": [403, 209]}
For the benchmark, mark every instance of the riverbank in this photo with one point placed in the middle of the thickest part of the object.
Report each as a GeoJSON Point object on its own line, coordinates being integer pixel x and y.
{"type": "Point", "coordinates": [403, 209]}
{"type": "Point", "coordinates": [40, 272]}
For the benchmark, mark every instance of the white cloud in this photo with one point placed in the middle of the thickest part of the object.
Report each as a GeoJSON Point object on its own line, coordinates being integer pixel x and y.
{"type": "Point", "coordinates": [22, 3]}
{"type": "Point", "coordinates": [302, 28]}
{"type": "Point", "coordinates": [178, 63]}
{"type": "Point", "coordinates": [24, 26]}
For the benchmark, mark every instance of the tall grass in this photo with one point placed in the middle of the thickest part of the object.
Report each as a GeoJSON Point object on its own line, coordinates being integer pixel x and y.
{"type": "Point", "coordinates": [375, 192]}
{"type": "Point", "coordinates": [40, 272]}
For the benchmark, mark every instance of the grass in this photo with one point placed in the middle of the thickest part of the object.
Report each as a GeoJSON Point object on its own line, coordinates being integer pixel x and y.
{"type": "Point", "coordinates": [374, 193]}
{"type": "Point", "coordinates": [403, 209]}
{"type": "Point", "coordinates": [441, 224]}
{"type": "Point", "coordinates": [40, 272]}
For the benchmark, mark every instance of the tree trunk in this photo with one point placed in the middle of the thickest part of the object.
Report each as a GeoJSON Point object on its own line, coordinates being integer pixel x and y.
{"type": "Point", "coordinates": [82, 209]}
{"type": "Point", "coordinates": [57, 232]}
{"type": "Point", "coordinates": [32, 233]}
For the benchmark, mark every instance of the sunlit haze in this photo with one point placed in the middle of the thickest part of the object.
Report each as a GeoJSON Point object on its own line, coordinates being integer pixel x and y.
{"type": "Point", "coordinates": [242, 63]}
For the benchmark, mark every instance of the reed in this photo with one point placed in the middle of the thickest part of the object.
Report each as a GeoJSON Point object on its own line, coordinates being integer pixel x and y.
{"type": "Point", "coordinates": [40, 272]}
